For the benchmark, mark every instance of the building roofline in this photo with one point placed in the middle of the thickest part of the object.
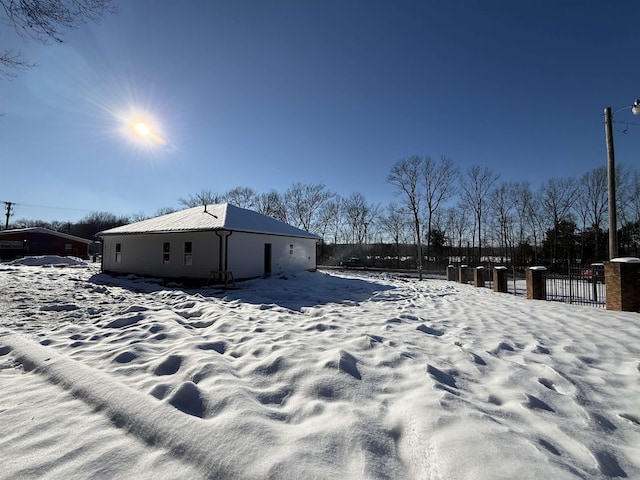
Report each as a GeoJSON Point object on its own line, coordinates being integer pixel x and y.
{"type": "Point", "coordinates": [46, 231]}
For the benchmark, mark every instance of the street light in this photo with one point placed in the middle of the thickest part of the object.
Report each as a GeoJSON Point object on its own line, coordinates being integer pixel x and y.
{"type": "Point", "coordinates": [611, 175]}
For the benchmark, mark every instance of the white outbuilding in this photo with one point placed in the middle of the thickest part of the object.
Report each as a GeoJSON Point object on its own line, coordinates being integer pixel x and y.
{"type": "Point", "coordinates": [220, 242]}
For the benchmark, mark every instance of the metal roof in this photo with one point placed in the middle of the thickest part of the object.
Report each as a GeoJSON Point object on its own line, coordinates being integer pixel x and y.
{"type": "Point", "coordinates": [45, 231]}
{"type": "Point", "coordinates": [223, 216]}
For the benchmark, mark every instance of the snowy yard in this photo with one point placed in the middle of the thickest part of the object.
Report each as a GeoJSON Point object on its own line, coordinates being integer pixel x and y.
{"type": "Point", "coordinates": [316, 375]}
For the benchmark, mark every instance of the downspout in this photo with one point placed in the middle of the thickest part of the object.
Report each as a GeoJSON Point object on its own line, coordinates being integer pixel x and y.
{"type": "Point", "coordinates": [217, 232]}
{"type": "Point", "coordinates": [226, 251]}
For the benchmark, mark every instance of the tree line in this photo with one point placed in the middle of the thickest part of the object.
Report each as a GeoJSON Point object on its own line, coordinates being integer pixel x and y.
{"type": "Point", "coordinates": [441, 213]}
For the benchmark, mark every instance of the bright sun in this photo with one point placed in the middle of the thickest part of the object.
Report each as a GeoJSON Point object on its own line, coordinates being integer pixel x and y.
{"type": "Point", "coordinates": [142, 129]}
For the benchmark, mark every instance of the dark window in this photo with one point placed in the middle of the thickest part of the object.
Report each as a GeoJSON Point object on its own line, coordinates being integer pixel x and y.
{"type": "Point", "coordinates": [166, 252]}
{"type": "Point", "coordinates": [118, 252]}
{"type": "Point", "coordinates": [188, 259]}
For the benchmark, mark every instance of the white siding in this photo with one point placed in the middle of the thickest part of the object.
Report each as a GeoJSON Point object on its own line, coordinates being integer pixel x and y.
{"type": "Point", "coordinates": [143, 254]}
{"type": "Point", "coordinates": [246, 254]}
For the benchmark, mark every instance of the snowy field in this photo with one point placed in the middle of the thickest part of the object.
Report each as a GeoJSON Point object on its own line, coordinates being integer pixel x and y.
{"type": "Point", "coordinates": [316, 375]}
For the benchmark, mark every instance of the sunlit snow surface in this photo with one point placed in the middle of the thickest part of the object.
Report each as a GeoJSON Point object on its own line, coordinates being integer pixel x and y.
{"type": "Point", "coordinates": [315, 375]}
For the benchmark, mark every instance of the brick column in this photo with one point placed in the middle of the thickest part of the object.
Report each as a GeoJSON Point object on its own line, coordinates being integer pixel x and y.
{"type": "Point", "coordinates": [478, 277]}
{"type": "Point", "coordinates": [622, 278]}
{"type": "Point", "coordinates": [500, 279]}
{"type": "Point", "coordinates": [536, 283]}
{"type": "Point", "coordinates": [452, 273]}
{"type": "Point", "coordinates": [463, 274]}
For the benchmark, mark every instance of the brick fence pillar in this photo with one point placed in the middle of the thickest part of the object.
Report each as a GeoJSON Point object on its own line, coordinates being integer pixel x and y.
{"type": "Point", "coordinates": [500, 279]}
{"type": "Point", "coordinates": [536, 283]}
{"type": "Point", "coordinates": [463, 274]}
{"type": "Point", "coordinates": [452, 273]}
{"type": "Point", "coordinates": [478, 277]}
{"type": "Point", "coordinates": [622, 278]}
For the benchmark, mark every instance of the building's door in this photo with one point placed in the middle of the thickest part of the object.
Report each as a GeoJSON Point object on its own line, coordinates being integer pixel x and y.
{"type": "Point", "coordinates": [267, 259]}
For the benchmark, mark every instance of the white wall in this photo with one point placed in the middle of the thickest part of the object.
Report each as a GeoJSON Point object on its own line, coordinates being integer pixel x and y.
{"type": "Point", "coordinates": [246, 254]}
{"type": "Point", "coordinates": [143, 254]}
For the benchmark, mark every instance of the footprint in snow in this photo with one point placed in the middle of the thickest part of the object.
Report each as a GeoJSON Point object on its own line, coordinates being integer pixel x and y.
{"type": "Point", "coordinates": [188, 399]}
{"type": "Point", "coordinates": [608, 464]}
{"type": "Point", "coordinates": [547, 383]}
{"type": "Point", "coordinates": [443, 378]}
{"type": "Point", "coordinates": [501, 347]}
{"type": "Point", "coordinates": [169, 365]}
{"type": "Point", "coordinates": [429, 331]}
{"type": "Point", "coordinates": [534, 403]}
{"type": "Point", "coordinates": [125, 357]}
{"type": "Point", "coordinates": [219, 347]}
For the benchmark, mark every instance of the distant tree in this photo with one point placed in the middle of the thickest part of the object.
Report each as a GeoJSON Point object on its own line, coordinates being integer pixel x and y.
{"type": "Point", "coordinates": [560, 243]}
{"type": "Point", "coordinates": [330, 219]}
{"type": "Point", "coordinates": [44, 21]}
{"type": "Point", "coordinates": [627, 194]}
{"type": "Point", "coordinates": [204, 197]}
{"type": "Point", "coordinates": [406, 176]}
{"type": "Point", "coordinates": [359, 216]}
{"type": "Point", "coordinates": [437, 239]}
{"type": "Point", "coordinates": [502, 200]}
{"type": "Point", "coordinates": [272, 205]}
{"type": "Point", "coordinates": [96, 222]}
{"type": "Point", "coordinates": [165, 211]}
{"type": "Point", "coordinates": [439, 185]}
{"type": "Point", "coordinates": [523, 204]}
{"type": "Point", "coordinates": [591, 204]}
{"type": "Point", "coordinates": [557, 198]}
{"type": "Point", "coordinates": [243, 197]}
{"type": "Point", "coordinates": [27, 223]}
{"type": "Point", "coordinates": [304, 203]}
{"type": "Point", "coordinates": [395, 225]}
{"type": "Point", "coordinates": [138, 217]}
{"type": "Point", "coordinates": [457, 221]}
{"type": "Point", "coordinates": [476, 186]}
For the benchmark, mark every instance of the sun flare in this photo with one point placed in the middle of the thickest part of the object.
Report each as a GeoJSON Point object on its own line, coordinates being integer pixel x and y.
{"type": "Point", "coordinates": [145, 131]}
{"type": "Point", "coordinates": [142, 129]}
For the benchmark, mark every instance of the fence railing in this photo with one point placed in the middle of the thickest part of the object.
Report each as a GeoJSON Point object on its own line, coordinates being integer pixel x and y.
{"type": "Point", "coordinates": [574, 284]}
{"type": "Point", "coordinates": [581, 285]}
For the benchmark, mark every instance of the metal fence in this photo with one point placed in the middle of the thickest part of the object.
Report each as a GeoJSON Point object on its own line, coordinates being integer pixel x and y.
{"type": "Point", "coordinates": [580, 285]}
{"type": "Point", "coordinates": [574, 284]}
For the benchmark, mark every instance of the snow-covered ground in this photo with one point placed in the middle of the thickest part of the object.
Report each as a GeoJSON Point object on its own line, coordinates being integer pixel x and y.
{"type": "Point", "coordinates": [312, 375]}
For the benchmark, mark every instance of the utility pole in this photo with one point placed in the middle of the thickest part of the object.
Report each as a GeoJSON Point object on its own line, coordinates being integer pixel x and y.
{"type": "Point", "coordinates": [611, 178]}
{"type": "Point", "coordinates": [8, 214]}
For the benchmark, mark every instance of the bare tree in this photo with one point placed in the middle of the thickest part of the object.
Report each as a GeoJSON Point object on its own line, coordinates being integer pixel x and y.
{"type": "Point", "coordinates": [272, 204]}
{"type": "Point", "coordinates": [557, 198]}
{"type": "Point", "coordinates": [96, 222]}
{"type": "Point", "coordinates": [243, 197]}
{"type": "Point", "coordinates": [502, 200]}
{"type": "Point", "coordinates": [204, 197]}
{"type": "Point", "coordinates": [44, 21]}
{"type": "Point", "coordinates": [360, 215]}
{"type": "Point", "coordinates": [406, 176]}
{"type": "Point", "coordinates": [395, 224]}
{"type": "Point", "coordinates": [304, 203]}
{"type": "Point", "coordinates": [523, 207]}
{"type": "Point", "coordinates": [591, 203]}
{"type": "Point", "coordinates": [330, 219]}
{"type": "Point", "coordinates": [439, 179]}
{"type": "Point", "coordinates": [457, 221]}
{"type": "Point", "coordinates": [165, 211]}
{"type": "Point", "coordinates": [475, 188]}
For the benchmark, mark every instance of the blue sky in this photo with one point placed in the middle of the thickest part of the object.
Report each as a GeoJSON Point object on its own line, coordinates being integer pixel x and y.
{"type": "Point", "coordinates": [267, 93]}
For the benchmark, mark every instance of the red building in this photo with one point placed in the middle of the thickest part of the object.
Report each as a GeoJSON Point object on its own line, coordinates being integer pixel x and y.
{"type": "Point", "coordinates": [33, 241]}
